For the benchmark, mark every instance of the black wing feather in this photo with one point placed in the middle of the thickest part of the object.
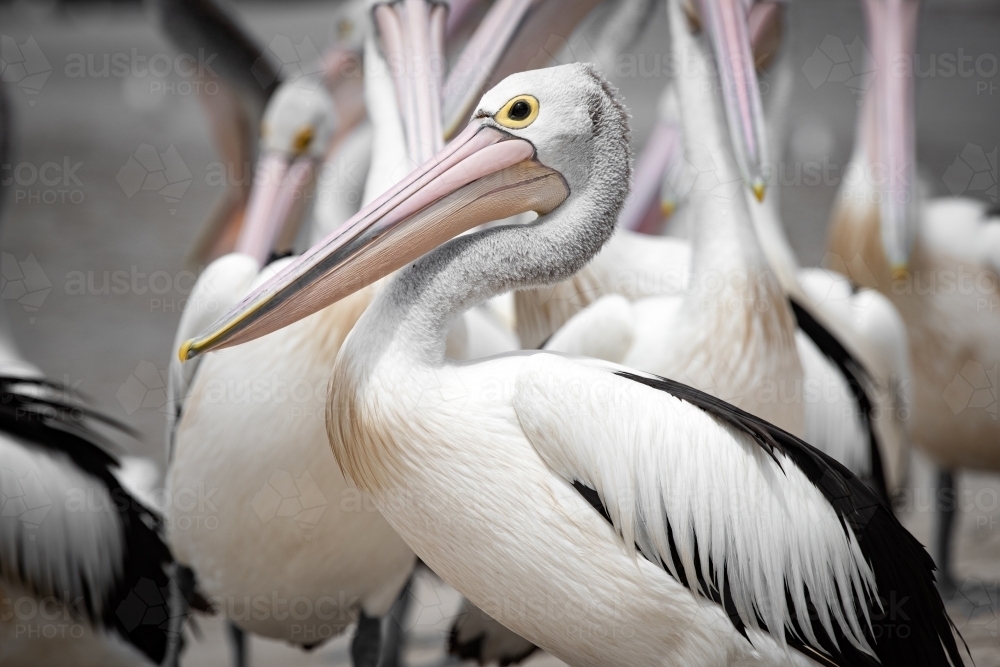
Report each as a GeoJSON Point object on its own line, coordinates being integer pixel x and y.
{"type": "Point", "coordinates": [910, 626]}
{"type": "Point", "coordinates": [857, 379]}
{"type": "Point", "coordinates": [44, 414]}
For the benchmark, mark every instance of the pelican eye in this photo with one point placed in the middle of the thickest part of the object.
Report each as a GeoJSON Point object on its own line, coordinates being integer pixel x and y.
{"type": "Point", "coordinates": [303, 138]}
{"type": "Point", "coordinates": [519, 112]}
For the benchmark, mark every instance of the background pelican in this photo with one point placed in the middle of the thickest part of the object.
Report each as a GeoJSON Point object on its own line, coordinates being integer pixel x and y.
{"type": "Point", "coordinates": [734, 333]}
{"type": "Point", "coordinates": [246, 81]}
{"type": "Point", "coordinates": [85, 575]}
{"type": "Point", "coordinates": [349, 557]}
{"type": "Point", "coordinates": [884, 236]}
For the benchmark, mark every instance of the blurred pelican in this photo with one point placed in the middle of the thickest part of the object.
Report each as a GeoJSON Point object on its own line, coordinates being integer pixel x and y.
{"type": "Point", "coordinates": [884, 236]}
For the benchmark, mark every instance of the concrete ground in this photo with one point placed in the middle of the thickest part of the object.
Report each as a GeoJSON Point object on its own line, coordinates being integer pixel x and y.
{"type": "Point", "coordinates": [94, 259]}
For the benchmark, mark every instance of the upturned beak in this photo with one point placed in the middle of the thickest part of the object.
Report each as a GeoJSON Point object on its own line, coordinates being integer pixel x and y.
{"type": "Point", "coordinates": [412, 34]}
{"type": "Point", "coordinates": [483, 175]}
{"type": "Point", "coordinates": [659, 156]}
{"type": "Point", "coordinates": [280, 183]}
{"type": "Point", "coordinates": [727, 26]}
{"type": "Point", "coordinates": [893, 33]}
{"type": "Point", "coordinates": [515, 35]}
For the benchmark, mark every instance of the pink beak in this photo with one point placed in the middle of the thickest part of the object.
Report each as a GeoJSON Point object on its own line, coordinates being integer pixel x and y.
{"type": "Point", "coordinates": [892, 33]}
{"type": "Point", "coordinates": [279, 184]}
{"type": "Point", "coordinates": [484, 174]}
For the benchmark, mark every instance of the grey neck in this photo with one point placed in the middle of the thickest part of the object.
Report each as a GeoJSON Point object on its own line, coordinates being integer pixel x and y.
{"type": "Point", "coordinates": [426, 297]}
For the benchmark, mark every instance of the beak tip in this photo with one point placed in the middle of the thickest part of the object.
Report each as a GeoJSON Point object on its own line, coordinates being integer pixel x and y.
{"type": "Point", "coordinates": [759, 190]}
{"type": "Point", "coordinates": [667, 208]}
{"type": "Point", "coordinates": [187, 351]}
{"type": "Point", "coordinates": [900, 272]}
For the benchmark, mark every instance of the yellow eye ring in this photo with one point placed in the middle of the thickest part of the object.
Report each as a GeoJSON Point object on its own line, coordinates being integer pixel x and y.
{"type": "Point", "coordinates": [518, 113]}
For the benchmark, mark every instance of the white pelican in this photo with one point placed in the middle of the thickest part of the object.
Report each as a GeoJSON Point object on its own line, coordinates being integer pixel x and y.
{"type": "Point", "coordinates": [337, 554]}
{"type": "Point", "coordinates": [857, 329]}
{"type": "Point", "coordinates": [734, 332]}
{"type": "Point", "coordinates": [85, 576]}
{"type": "Point", "coordinates": [946, 291]}
{"type": "Point", "coordinates": [610, 517]}
{"type": "Point", "coordinates": [343, 560]}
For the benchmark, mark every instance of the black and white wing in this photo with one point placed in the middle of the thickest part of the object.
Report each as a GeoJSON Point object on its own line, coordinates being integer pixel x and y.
{"type": "Point", "coordinates": [69, 530]}
{"type": "Point", "coordinates": [783, 537]}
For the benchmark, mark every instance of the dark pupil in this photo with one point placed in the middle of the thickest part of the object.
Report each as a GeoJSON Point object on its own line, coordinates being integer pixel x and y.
{"type": "Point", "coordinates": [519, 111]}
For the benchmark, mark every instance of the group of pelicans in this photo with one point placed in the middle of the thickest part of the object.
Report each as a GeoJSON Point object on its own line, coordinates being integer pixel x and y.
{"type": "Point", "coordinates": [612, 468]}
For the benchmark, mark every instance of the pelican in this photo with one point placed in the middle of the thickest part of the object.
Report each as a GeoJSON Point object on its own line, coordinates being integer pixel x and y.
{"type": "Point", "coordinates": [858, 330]}
{"type": "Point", "coordinates": [603, 514]}
{"type": "Point", "coordinates": [883, 237]}
{"type": "Point", "coordinates": [234, 90]}
{"type": "Point", "coordinates": [734, 333]}
{"type": "Point", "coordinates": [337, 553]}
{"type": "Point", "coordinates": [85, 575]}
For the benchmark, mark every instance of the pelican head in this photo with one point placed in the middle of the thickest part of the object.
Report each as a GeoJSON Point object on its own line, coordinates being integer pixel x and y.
{"type": "Point", "coordinates": [534, 139]}
{"type": "Point", "coordinates": [295, 133]}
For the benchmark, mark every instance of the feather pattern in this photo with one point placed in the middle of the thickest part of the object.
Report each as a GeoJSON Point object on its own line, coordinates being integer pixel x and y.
{"type": "Point", "coordinates": [818, 564]}
{"type": "Point", "coordinates": [81, 538]}
{"type": "Point", "coordinates": [858, 381]}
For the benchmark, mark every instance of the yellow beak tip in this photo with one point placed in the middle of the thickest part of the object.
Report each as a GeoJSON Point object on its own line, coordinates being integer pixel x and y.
{"type": "Point", "coordinates": [900, 272]}
{"type": "Point", "coordinates": [758, 191]}
{"type": "Point", "coordinates": [667, 209]}
{"type": "Point", "coordinates": [186, 351]}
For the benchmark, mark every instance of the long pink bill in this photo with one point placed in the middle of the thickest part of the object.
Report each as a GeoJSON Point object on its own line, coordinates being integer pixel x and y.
{"type": "Point", "coordinates": [481, 176]}
{"type": "Point", "coordinates": [726, 25]}
{"type": "Point", "coordinates": [515, 35]}
{"type": "Point", "coordinates": [662, 151]}
{"type": "Point", "coordinates": [892, 35]}
{"type": "Point", "coordinates": [278, 185]}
